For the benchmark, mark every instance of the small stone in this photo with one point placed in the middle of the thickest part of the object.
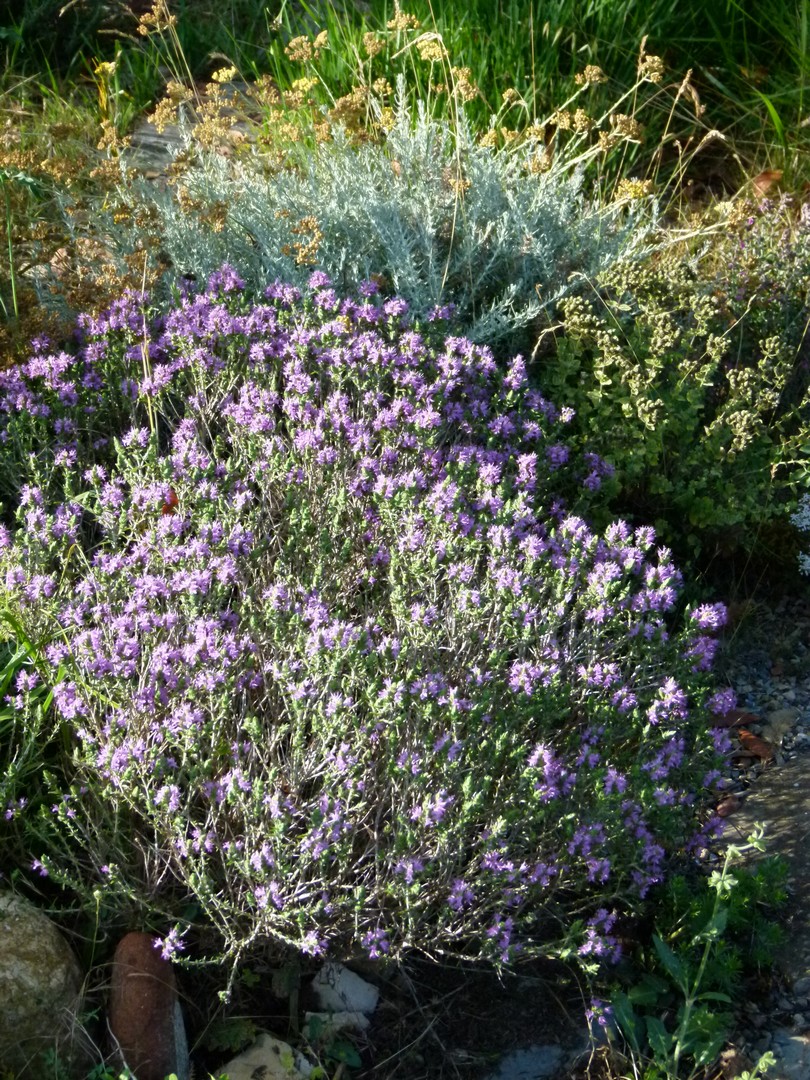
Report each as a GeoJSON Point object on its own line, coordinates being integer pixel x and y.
{"type": "Point", "coordinates": [778, 724]}
{"type": "Point", "coordinates": [532, 1063]}
{"type": "Point", "coordinates": [801, 987]}
{"type": "Point", "coordinates": [340, 990]}
{"type": "Point", "coordinates": [267, 1059]}
{"type": "Point", "coordinates": [145, 1017]}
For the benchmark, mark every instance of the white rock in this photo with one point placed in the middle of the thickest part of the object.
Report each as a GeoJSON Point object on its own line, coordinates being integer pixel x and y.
{"type": "Point", "coordinates": [40, 990]}
{"type": "Point", "coordinates": [269, 1059]}
{"type": "Point", "coordinates": [319, 1026]}
{"type": "Point", "coordinates": [340, 990]}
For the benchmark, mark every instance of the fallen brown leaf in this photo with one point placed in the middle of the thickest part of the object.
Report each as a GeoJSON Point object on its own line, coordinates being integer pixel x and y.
{"type": "Point", "coordinates": [756, 746]}
{"type": "Point", "coordinates": [766, 180]}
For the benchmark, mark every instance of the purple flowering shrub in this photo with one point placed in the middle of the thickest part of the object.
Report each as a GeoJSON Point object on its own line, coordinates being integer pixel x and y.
{"type": "Point", "coordinates": [327, 635]}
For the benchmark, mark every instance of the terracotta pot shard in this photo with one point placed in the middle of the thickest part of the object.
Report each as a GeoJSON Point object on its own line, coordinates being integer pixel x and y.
{"type": "Point", "coordinates": [143, 1008]}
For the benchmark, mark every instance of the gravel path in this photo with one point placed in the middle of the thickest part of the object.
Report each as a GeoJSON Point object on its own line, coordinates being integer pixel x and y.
{"type": "Point", "coordinates": [766, 659]}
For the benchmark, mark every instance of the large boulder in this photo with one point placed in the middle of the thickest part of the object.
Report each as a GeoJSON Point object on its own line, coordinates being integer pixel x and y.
{"type": "Point", "coordinates": [40, 990]}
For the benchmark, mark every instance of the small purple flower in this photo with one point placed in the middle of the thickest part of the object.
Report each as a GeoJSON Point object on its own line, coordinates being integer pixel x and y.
{"type": "Point", "coordinates": [171, 945]}
{"type": "Point", "coordinates": [710, 616]}
{"type": "Point", "coordinates": [599, 1013]}
{"type": "Point", "coordinates": [438, 808]}
{"type": "Point", "coordinates": [461, 897]}
{"type": "Point", "coordinates": [319, 280]}
{"type": "Point", "coordinates": [723, 701]}
{"type": "Point", "coordinates": [225, 280]}
{"type": "Point", "coordinates": [376, 944]}
{"type": "Point", "coordinates": [312, 945]}
{"type": "Point", "coordinates": [409, 868]}
{"type": "Point", "coordinates": [395, 307]}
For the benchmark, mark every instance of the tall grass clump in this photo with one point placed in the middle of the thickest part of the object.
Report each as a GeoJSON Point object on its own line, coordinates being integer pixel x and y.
{"type": "Point", "coordinates": [329, 636]}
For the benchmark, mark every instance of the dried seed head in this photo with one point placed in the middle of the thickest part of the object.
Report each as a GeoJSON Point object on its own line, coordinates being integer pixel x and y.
{"type": "Point", "coordinates": [463, 86]}
{"type": "Point", "coordinates": [372, 44]}
{"type": "Point", "coordinates": [632, 189]}
{"type": "Point", "coordinates": [561, 120]}
{"type": "Point", "coordinates": [403, 21]}
{"type": "Point", "coordinates": [590, 76]}
{"type": "Point", "coordinates": [299, 49]}
{"type": "Point", "coordinates": [581, 122]}
{"type": "Point", "coordinates": [165, 114]}
{"type": "Point", "coordinates": [431, 50]}
{"type": "Point", "coordinates": [626, 127]}
{"type": "Point", "coordinates": [156, 21]}
{"type": "Point", "coordinates": [651, 68]}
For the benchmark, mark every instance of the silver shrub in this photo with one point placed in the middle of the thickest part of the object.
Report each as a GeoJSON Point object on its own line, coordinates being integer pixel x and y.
{"type": "Point", "coordinates": [504, 252]}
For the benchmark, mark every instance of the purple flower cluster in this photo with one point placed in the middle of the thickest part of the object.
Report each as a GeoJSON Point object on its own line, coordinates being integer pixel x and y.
{"type": "Point", "coordinates": [328, 629]}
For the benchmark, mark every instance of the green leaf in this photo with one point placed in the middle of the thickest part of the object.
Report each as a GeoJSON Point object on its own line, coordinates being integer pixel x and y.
{"type": "Point", "coordinates": [703, 1036]}
{"type": "Point", "coordinates": [715, 926]}
{"type": "Point", "coordinates": [648, 991]}
{"type": "Point", "coordinates": [714, 995]}
{"type": "Point", "coordinates": [341, 1050]}
{"type": "Point", "coordinates": [776, 119]}
{"type": "Point", "coordinates": [672, 963]}
{"type": "Point", "coordinates": [630, 1025]}
{"type": "Point", "coordinates": [659, 1038]}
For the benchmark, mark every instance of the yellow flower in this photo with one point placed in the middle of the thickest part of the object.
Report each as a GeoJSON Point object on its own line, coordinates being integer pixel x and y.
{"type": "Point", "coordinates": [224, 75]}
{"type": "Point", "coordinates": [463, 86]}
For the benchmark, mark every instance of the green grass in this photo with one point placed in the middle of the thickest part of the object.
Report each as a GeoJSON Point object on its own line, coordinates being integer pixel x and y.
{"type": "Point", "coordinates": [750, 62]}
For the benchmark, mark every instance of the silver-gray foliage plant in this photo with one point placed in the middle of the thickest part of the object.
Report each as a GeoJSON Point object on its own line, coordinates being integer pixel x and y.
{"type": "Point", "coordinates": [503, 252]}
